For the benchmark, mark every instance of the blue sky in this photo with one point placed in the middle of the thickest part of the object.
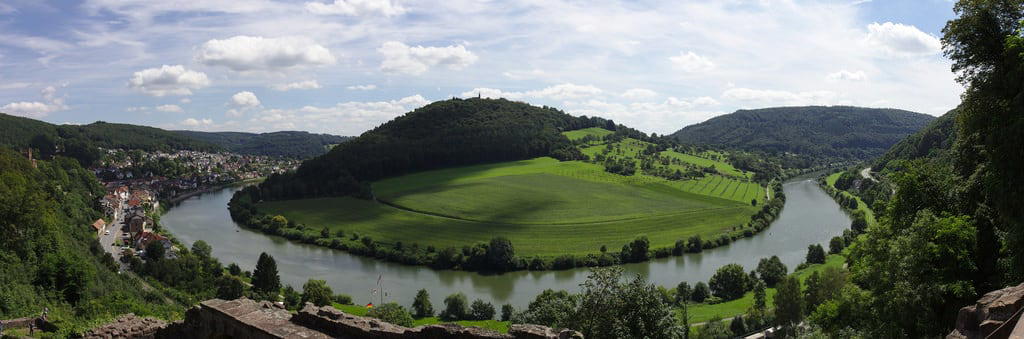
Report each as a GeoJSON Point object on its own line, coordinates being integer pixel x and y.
{"type": "Point", "coordinates": [344, 66]}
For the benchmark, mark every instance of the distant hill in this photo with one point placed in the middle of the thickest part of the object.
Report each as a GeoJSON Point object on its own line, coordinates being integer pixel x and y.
{"type": "Point", "coordinates": [292, 144]}
{"type": "Point", "coordinates": [18, 132]}
{"type": "Point", "coordinates": [821, 133]}
{"type": "Point", "coordinates": [934, 142]}
{"type": "Point", "coordinates": [448, 133]}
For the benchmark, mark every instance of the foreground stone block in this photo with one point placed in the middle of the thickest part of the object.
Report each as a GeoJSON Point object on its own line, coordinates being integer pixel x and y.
{"type": "Point", "coordinates": [995, 315]}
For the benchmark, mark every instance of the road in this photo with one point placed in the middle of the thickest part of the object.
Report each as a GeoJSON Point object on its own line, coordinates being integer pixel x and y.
{"type": "Point", "coordinates": [866, 174]}
{"type": "Point", "coordinates": [107, 239]}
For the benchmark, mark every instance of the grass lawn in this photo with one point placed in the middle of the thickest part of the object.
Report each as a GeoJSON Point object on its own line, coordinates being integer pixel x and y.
{"type": "Point", "coordinates": [545, 207]}
{"type": "Point", "coordinates": [869, 215]}
{"type": "Point", "coordinates": [580, 133]}
{"type": "Point", "coordinates": [495, 325]}
{"type": "Point", "coordinates": [704, 312]}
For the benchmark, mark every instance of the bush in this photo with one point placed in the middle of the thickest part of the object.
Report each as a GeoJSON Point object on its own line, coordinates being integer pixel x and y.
{"type": "Point", "coordinates": [317, 292]}
{"type": "Point", "coordinates": [836, 245]}
{"type": "Point", "coordinates": [815, 254]}
{"type": "Point", "coordinates": [481, 310]}
{"type": "Point", "coordinates": [456, 307]}
{"type": "Point", "coordinates": [694, 244]}
{"type": "Point", "coordinates": [392, 313]}
{"type": "Point", "coordinates": [506, 312]}
{"type": "Point", "coordinates": [700, 292]}
{"type": "Point", "coordinates": [729, 282]}
{"type": "Point", "coordinates": [771, 270]}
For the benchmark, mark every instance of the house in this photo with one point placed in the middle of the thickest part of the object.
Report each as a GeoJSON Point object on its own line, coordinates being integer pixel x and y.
{"type": "Point", "coordinates": [147, 238]}
{"type": "Point", "coordinates": [111, 206]}
{"type": "Point", "coordinates": [138, 223]}
{"type": "Point", "coordinates": [99, 226]}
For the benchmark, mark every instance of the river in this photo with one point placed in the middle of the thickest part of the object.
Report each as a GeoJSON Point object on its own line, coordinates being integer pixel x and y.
{"type": "Point", "coordinates": [810, 216]}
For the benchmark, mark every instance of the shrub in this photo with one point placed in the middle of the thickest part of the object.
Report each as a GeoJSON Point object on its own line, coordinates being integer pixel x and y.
{"type": "Point", "coordinates": [392, 313]}
{"type": "Point", "coordinates": [343, 299]}
{"type": "Point", "coordinates": [421, 305]}
{"type": "Point", "coordinates": [729, 282]}
{"type": "Point", "coordinates": [700, 292]}
{"type": "Point", "coordinates": [506, 312]}
{"type": "Point", "coordinates": [771, 270]}
{"type": "Point", "coordinates": [317, 292]}
{"type": "Point", "coordinates": [456, 307]}
{"type": "Point", "coordinates": [481, 310]}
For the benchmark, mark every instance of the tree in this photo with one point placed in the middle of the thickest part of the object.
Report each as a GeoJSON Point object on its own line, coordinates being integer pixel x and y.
{"type": "Point", "coordinates": [760, 296]}
{"type": "Point", "coordinates": [836, 245]}
{"type": "Point", "coordinates": [729, 282]}
{"type": "Point", "coordinates": [265, 281]}
{"type": "Point", "coordinates": [233, 269]}
{"type": "Point", "coordinates": [737, 326]}
{"type": "Point", "coordinates": [155, 251]}
{"type": "Point", "coordinates": [507, 311]}
{"type": "Point", "coordinates": [292, 298]}
{"type": "Point", "coordinates": [815, 254]}
{"type": "Point", "coordinates": [860, 222]}
{"type": "Point", "coordinates": [325, 233]}
{"type": "Point", "coordinates": [700, 292]}
{"type": "Point", "coordinates": [609, 308]}
{"type": "Point", "coordinates": [501, 255]}
{"type": "Point", "coordinates": [549, 308]}
{"type": "Point", "coordinates": [392, 313]}
{"type": "Point", "coordinates": [481, 310]}
{"type": "Point", "coordinates": [456, 307]}
{"type": "Point", "coordinates": [683, 292]}
{"type": "Point", "coordinates": [229, 287]}
{"type": "Point", "coordinates": [317, 292]}
{"type": "Point", "coordinates": [278, 222]}
{"type": "Point", "coordinates": [771, 270]}
{"type": "Point", "coordinates": [694, 244]}
{"type": "Point", "coordinates": [788, 304]}
{"type": "Point", "coordinates": [202, 250]}
{"type": "Point", "coordinates": [637, 250]}
{"type": "Point", "coordinates": [813, 294]}
{"type": "Point", "coordinates": [421, 304]}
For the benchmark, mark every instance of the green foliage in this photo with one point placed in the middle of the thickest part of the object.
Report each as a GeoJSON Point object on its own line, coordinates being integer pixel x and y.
{"type": "Point", "coordinates": [456, 307]}
{"type": "Point", "coordinates": [292, 298]}
{"type": "Point", "coordinates": [836, 245]}
{"type": "Point", "coordinates": [636, 251]}
{"type": "Point", "coordinates": [772, 270]}
{"type": "Point", "coordinates": [738, 326]}
{"type": "Point", "coordinates": [230, 287]}
{"type": "Point", "coordinates": [700, 292]}
{"type": "Point", "coordinates": [935, 141]}
{"type": "Point", "coordinates": [789, 304]}
{"type": "Point", "coordinates": [819, 134]}
{"type": "Point", "coordinates": [729, 282]}
{"type": "Point", "coordinates": [289, 144]}
{"type": "Point", "coordinates": [683, 292]}
{"type": "Point", "coordinates": [507, 311]}
{"type": "Point", "coordinates": [422, 306]}
{"type": "Point", "coordinates": [202, 250]}
{"type": "Point", "coordinates": [815, 254]}
{"type": "Point", "coordinates": [317, 292]}
{"type": "Point", "coordinates": [500, 255]}
{"type": "Point", "coordinates": [392, 313]}
{"type": "Point", "coordinates": [481, 310]}
{"type": "Point", "coordinates": [549, 308]}
{"type": "Point", "coordinates": [265, 281]}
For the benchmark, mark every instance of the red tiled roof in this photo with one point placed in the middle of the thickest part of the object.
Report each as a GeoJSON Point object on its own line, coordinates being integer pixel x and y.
{"type": "Point", "coordinates": [99, 224]}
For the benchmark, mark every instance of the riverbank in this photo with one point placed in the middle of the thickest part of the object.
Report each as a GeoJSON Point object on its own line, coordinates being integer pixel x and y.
{"type": "Point", "coordinates": [179, 198]}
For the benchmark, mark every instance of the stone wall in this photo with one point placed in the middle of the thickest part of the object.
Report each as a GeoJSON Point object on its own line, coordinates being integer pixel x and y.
{"type": "Point", "coordinates": [996, 315]}
{"type": "Point", "coordinates": [244, 318]}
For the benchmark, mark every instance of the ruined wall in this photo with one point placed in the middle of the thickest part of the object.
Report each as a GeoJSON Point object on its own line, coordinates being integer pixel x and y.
{"type": "Point", "coordinates": [244, 318]}
{"type": "Point", "coordinates": [996, 315]}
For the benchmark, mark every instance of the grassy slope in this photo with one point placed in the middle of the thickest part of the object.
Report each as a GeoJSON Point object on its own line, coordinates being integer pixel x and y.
{"type": "Point", "coordinates": [500, 326]}
{"type": "Point", "coordinates": [580, 133]}
{"type": "Point", "coordinates": [868, 213]}
{"type": "Point", "coordinates": [704, 312]}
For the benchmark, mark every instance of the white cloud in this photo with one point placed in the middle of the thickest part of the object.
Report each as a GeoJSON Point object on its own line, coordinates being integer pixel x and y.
{"type": "Point", "coordinates": [690, 62]}
{"type": "Point", "coordinates": [558, 92]}
{"type": "Point", "coordinates": [776, 97]}
{"type": "Point", "coordinates": [169, 108]}
{"type": "Point", "coordinates": [245, 99]}
{"type": "Point", "coordinates": [301, 85]}
{"type": "Point", "coordinates": [193, 122]}
{"type": "Point", "coordinates": [346, 118]}
{"type": "Point", "coordinates": [639, 93]}
{"type": "Point", "coordinates": [847, 75]}
{"type": "Point", "coordinates": [705, 101]}
{"type": "Point", "coordinates": [168, 80]}
{"type": "Point", "coordinates": [525, 75]}
{"type": "Point", "coordinates": [355, 7]}
{"type": "Point", "coordinates": [185, 100]}
{"type": "Point", "coordinates": [895, 39]}
{"type": "Point", "coordinates": [37, 109]}
{"type": "Point", "coordinates": [255, 53]}
{"type": "Point", "coordinates": [369, 87]}
{"type": "Point", "coordinates": [402, 58]}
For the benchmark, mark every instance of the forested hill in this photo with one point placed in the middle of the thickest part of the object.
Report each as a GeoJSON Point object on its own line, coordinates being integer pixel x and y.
{"type": "Point", "coordinates": [18, 132]}
{"type": "Point", "coordinates": [446, 133]}
{"type": "Point", "coordinates": [820, 132]}
{"type": "Point", "coordinates": [292, 144]}
{"type": "Point", "coordinates": [932, 142]}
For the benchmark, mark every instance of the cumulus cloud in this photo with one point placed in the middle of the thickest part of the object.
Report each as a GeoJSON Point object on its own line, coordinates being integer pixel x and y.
{"type": "Point", "coordinates": [355, 7]}
{"type": "Point", "coordinates": [525, 75]}
{"type": "Point", "coordinates": [168, 80]}
{"type": "Point", "coordinates": [193, 122]}
{"type": "Point", "coordinates": [847, 75]}
{"type": "Point", "coordinates": [369, 87]}
{"type": "Point", "coordinates": [639, 93]}
{"type": "Point", "coordinates": [895, 39]}
{"type": "Point", "coordinates": [169, 108]}
{"type": "Point", "coordinates": [402, 58]}
{"type": "Point", "coordinates": [559, 92]}
{"type": "Point", "coordinates": [690, 62]}
{"type": "Point", "coordinates": [245, 99]}
{"type": "Point", "coordinates": [346, 118]}
{"type": "Point", "coordinates": [301, 85]}
{"type": "Point", "coordinates": [255, 53]}
{"type": "Point", "coordinates": [776, 97]}
{"type": "Point", "coordinates": [37, 109]}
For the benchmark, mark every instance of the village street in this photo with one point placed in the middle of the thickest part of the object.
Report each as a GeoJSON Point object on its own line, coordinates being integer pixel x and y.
{"type": "Point", "coordinates": [108, 238]}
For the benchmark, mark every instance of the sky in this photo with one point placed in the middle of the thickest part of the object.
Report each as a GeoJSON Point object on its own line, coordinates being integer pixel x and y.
{"type": "Point", "coordinates": [346, 66]}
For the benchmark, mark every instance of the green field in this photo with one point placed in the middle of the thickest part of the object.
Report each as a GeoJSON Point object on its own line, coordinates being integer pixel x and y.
{"type": "Point", "coordinates": [580, 133]}
{"type": "Point", "coordinates": [545, 207]}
